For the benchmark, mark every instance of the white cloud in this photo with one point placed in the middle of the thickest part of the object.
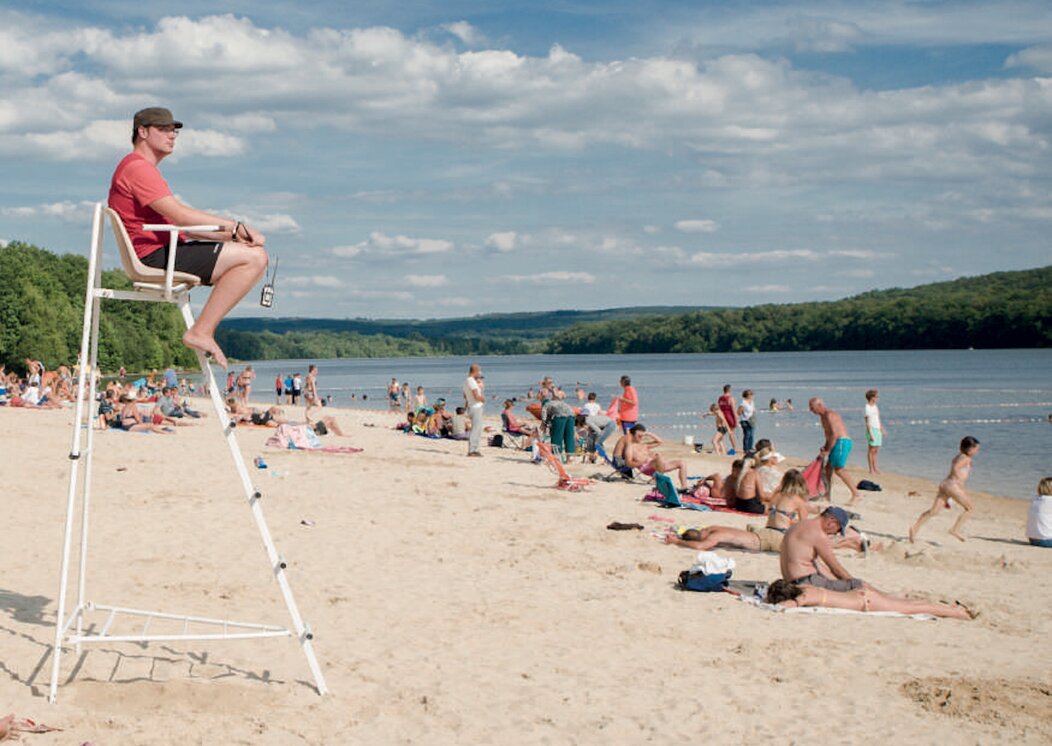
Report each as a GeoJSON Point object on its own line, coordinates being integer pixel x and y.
{"type": "Point", "coordinates": [503, 241]}
{"type": "Point", "coordinates": [651, 229]}
{"type": "Point", "coordinates": [274, 223]}
{"type": "Point", "coordinates": [427, 281]}
{"type": "Point", "coordinates": [697, 226]}
{"type": "Point", "coordinates": [1037, 58]}
{"type": "Point", "coordinates": [67, 212]}
{"type": "Point", "coordinates": [380, 243]}
{"type": "Point", "coordinates": [781, 256]}
{"type": "Point", "coordinates": [320, 281]}
{"type": "Point", "coordinates": [464, 31]}
{"type": "Point", "coordinates": [549, 277]}
{"type": "Point", "coordinates": [768, 288]}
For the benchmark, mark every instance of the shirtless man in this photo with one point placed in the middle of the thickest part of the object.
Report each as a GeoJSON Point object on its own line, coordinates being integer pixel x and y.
{"type": "Point", "coordinates": [232, 260]}
{"type": "Point", "coordinates": [807, 542]}
{"type": "Point", "coordinates": [837, 446]}
{"type": "Point", "coordinates": [639, 456]}
{"type": "Point", "coordinates": [952, 488]}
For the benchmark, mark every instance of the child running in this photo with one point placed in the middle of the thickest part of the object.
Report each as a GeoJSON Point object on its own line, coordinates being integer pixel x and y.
{"type": "Point", "coordinates": [952, 488]}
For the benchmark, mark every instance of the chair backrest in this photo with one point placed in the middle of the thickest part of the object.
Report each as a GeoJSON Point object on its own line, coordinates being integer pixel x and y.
{"type": "Point", "coordinates": [553, 460]}
{"type": "Point", "coordinates": [667, 489]}
{"type": "Point", "coordinates": [133, 267]}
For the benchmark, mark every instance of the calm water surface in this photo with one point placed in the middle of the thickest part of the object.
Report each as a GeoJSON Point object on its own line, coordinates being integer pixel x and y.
{"type": "Point", "coordinates": [929, 400]}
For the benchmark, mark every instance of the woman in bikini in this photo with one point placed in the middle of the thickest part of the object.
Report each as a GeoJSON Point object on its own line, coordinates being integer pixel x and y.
{"type": "Point", "coordinates": [785, 593]}
{"type": "Point", "coordinates": [132, 420]}
{"type": "Point", "coordinates": [952, 488]}
{"type": "Point", "coordinates": [789, 504]}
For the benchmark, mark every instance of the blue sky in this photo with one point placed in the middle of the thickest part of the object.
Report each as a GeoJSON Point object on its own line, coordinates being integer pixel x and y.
{"type": "Point", "coordinates": [429, 159]}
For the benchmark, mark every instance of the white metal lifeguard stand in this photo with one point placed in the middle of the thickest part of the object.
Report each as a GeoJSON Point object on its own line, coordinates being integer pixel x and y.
{"type": "Point", "coordinates": [154, 286]}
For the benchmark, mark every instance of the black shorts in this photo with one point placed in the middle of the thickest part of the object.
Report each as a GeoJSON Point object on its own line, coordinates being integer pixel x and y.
{"type": "Point", "coordinates": [192, 257]}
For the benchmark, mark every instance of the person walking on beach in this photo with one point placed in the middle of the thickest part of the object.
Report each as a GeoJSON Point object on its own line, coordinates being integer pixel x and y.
{"type": "Point", "coordinates": [837, 447]}
{"type": "Point", "coordinates": [721, 429]}
{"type": "Point", "coordinates": [475, 401]}
{"type": "Point", "coordinates": [952, 488]}
{"type": "Point", "coordinates": [726, 405]}
{"type": "Point", "coordinates": [874, 429]}
{"type": "Point", "coordinates": [311, 398]}
{"type": "Point", "coordinates": [747, 418]}
{"type": "Point", "coordinates": [278, 386]}
{"type": "Point", "coordinates": [231, 260]}
{"type": "Point", "coordinates": [392, 393]}
{"type": "Point", "coordinates": [627, 405]}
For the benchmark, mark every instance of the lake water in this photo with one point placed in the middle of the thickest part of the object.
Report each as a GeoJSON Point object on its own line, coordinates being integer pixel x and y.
{"type": "Point", "coordinates": [929, 400]}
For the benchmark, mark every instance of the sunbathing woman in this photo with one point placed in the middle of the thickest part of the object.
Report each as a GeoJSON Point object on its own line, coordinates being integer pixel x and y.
{"type": "Point", "coordinates": [132, 420]}
{"type": "Point", "coordinates": [952, 488]}
{"type": "Point", "coordinates": [789, 504]}
{"type": "Point", "coordinates": [785, 593]}
{"type": "Point", "coordinates": [723, 487]}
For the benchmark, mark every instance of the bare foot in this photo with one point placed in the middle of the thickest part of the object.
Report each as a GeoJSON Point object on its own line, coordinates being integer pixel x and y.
{"type": "Point", "coordinates": [205, 344]}
{"type": "Point", "coordinates": [972, 614]}
{"type": "Point", "coordinates": [958, 536]}
{"type": "Point", "coordinates": [854, 499]}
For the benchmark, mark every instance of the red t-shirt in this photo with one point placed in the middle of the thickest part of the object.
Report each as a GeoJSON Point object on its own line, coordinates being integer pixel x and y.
{"type": "Point", "coordinates": [629, 412]}
{"type": "Point", "coordinates": [135, 185]}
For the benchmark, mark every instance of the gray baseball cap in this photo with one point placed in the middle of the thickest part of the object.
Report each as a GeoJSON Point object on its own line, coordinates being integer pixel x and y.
{"type": "Point", "coordinates": [155, 116]}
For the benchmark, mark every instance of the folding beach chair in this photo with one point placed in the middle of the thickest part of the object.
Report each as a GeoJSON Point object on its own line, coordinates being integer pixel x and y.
{"type": "Point", "coordinates": [517, 440]}
{"type": "Point", "coordinates": [81, 624]}
{"type": "Point", "coordinates": [620, 473]}
{"type": "Point", "coordinates": [566, 482]}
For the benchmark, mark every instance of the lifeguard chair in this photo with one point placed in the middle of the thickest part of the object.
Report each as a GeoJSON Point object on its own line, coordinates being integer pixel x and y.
{"type": "Point", "coordinates": [152, 286]}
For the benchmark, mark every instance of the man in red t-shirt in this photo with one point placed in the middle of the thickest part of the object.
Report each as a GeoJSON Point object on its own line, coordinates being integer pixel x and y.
{"type": "Point", "coordinates": [726, 405]}
{"type": "Point", "coordinates": [232, 260]}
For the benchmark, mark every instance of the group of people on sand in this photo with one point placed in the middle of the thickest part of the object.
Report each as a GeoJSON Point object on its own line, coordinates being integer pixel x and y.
{"type": "Point", "coordinates": [37, 388]}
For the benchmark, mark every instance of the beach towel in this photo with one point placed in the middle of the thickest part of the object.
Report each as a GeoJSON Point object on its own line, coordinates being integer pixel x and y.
{"type": "Point", "coordinates": [812, 475]}
{"type": "Point", "coordinates": [302, 438]}
{"type": "Point", "coordinates": [753, 601]}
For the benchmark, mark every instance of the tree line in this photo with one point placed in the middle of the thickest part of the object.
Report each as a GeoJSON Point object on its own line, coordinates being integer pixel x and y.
{"type": "Point", "coordinates": [42, 300]}
{"type": "Point", "coordinates": [1000, 310]}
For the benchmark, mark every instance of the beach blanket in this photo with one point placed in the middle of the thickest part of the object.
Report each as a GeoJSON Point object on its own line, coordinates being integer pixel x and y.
{"type": "Point", "coordinates": [753, 601]}
{"type": "Point", "coordinates": [302, 438]}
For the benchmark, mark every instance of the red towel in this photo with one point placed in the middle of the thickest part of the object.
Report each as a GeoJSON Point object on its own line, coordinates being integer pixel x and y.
{"type": "Point", "coordinates": [813, 477]}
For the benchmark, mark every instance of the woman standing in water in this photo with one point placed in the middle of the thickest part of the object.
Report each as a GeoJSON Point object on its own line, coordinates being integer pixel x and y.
{"type": "Point", "coordinates": [952, 488]}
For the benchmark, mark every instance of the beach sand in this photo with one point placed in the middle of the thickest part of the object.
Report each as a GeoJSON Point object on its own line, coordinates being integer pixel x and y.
{"type": "Point", "coordinates": [467, 601]}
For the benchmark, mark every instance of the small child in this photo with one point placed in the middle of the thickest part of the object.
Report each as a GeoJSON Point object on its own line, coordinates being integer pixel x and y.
{"type": "Point", "coordinates": [721, 429]}
{"type": "Point", "coordinates": [952, 488]}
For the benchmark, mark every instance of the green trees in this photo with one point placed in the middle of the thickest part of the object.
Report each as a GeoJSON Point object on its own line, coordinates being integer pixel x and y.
{"type": "Point", "coordinates": [1005, 309]}
{"type": "Point", "coordinates": [41, 316]}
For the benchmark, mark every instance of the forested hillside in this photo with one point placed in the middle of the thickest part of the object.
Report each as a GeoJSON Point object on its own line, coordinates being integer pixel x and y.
{"type": "Point", "coordinates": [41, 315]}
{"type": "Point", "coordinates": [1005, 309]}
{"type": "Point", "coordinates": [42, 297]}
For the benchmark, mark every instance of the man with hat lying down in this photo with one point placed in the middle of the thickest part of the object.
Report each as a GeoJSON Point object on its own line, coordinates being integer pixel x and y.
{"type": "Point", "coordinates": [807, 542]}
{"type": "Point", "coordinates": [231, 260]}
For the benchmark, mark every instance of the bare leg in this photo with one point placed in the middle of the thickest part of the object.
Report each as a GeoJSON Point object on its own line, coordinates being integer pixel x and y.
{"type": "Point", "coordinates": [734, 440]}
{"type": "Point", "coordinates": [666, 466]}
{"type": "Point", "coordinates": [238, 270]}
{"type": "Point", "coordinates": [940, 502]}
{"type": "Point", "coordinates": [330, 422]}
{"type": "Point", "coordinates": [855, 496]}
{"type": "Point", "coordinates": [965, 502]}
{"type": "Point", "coordinates": [880, 602]}
{"type": "Point", "coordinates": [872, 457]}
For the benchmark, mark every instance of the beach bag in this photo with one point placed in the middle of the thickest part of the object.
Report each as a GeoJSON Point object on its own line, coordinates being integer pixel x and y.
{"type": "Point", "coordinates": [865, 484]}
{"type": "Point", "coordinates": [697, 580]}
{"type": "Point", "coordinates": [497, 441]}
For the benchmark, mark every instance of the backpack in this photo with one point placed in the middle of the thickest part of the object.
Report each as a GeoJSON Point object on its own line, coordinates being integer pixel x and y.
{"type": "Point", "coordinates": [497, 441]}
{"type": "Point", "coordinates": [698, 581]}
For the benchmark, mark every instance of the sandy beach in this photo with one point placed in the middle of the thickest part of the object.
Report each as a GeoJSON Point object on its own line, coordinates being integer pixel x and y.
{"type": "Point", "coordinates": [467, 601]}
